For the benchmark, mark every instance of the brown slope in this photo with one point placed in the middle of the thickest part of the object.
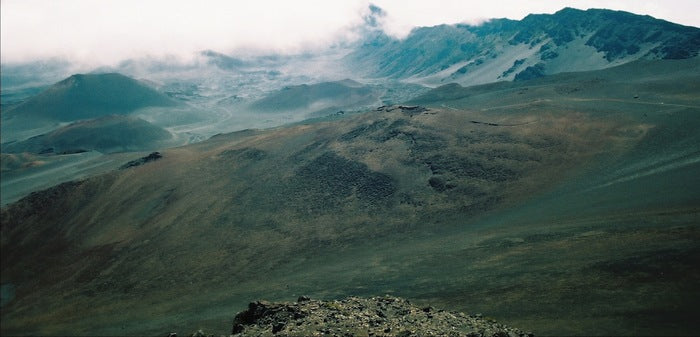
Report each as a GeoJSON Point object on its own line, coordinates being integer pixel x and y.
{"type": "Point", "coordinates": [235, 217]}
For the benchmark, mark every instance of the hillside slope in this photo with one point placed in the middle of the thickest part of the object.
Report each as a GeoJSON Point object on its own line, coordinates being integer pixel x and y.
{"type": "Point", "coordinates": [115, 133]}
{"type": "Point", "coordinates": [85, 96]}
{"type": "Point", "coordinates": [319, 98]}
{"type": "Point", "coordinates": [556, 206]}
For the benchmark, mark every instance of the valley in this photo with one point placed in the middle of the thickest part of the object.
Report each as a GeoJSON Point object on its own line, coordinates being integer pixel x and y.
{"type": "Point", "coordinates": [530, 202]}
{"type": "Point", "coordinates": [540, 172]}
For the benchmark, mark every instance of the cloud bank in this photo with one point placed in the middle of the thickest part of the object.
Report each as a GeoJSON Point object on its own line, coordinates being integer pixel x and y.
{"type": "Point", "coordinates": [107, 31]}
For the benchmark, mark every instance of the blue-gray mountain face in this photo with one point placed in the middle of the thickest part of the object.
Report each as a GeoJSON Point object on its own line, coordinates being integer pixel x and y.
{"type": "Point", "coordinates": [320, 97]}
{"type": "Point", "coordinates": [502, 49]}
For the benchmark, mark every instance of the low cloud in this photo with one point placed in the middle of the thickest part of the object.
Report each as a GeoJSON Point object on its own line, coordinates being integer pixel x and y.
{"type": "Point", "coordinates": [106, 32]}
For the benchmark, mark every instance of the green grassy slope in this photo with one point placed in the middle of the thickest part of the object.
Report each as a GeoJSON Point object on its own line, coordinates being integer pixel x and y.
{"type": "Point", "coordinates": [560, 207]}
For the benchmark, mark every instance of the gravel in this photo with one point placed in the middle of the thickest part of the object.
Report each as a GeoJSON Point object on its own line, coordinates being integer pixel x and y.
{"type": "Point", "coordinates": [355, 316]}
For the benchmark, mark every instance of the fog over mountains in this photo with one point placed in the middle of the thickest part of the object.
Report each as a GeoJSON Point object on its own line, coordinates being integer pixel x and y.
{"type": "Point", "coordinates": [496, 50]}
{"type": "Point", "coordinates": [543, 172]}
{"type": "Point", "coordinates": [568, 40]}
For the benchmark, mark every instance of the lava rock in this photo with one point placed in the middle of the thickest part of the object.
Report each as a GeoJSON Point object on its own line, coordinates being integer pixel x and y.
{"type": "Point", "coordinates": [355, 316]}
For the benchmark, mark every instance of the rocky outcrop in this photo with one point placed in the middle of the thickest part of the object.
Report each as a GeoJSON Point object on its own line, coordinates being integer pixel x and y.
{"type": "Point", "coordinates": [143, 160]}
{"type": "Point", "coordinates": [355, 316]}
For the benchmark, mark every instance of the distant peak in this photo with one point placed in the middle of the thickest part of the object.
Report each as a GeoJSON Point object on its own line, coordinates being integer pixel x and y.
{"type": "Point", "coordinates": [569, 10]}
{"type": "Point", "coordinates": [349, 83]}
{"type": "Point", "coordinates": [70, 80]}
{"type": "Point", "coordinates": [222, 61]}
{"type": "Point", "coordinates": [96, 75]}
{"type": "Point", "coordinates": [78, 79]}
{"type": "Point", "coordinates": [373, 18]}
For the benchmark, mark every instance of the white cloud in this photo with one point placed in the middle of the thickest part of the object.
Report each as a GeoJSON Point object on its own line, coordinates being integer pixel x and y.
{"type": "Point", "coordinates": [107, 31]}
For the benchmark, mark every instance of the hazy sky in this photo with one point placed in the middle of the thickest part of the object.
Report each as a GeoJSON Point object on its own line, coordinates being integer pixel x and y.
{"type": "Point", "coordinates": [107, 31]}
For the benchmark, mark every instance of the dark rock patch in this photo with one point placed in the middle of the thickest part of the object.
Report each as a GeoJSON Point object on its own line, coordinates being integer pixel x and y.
{"type": "Point", "coordinates": [333, 177]}
{"type": "Point", "coordinates": [143, 160]}
{"type": "Point", "coordinates": [485, 123]}
{"type": "Point", "coordinates": [515, 66]}
{"type": "Point", "coordinates": [439, 184]}
{"type": "Point", "coordinates": [531, 72]}
{"type": "Point", "coordinates": [412, 109]}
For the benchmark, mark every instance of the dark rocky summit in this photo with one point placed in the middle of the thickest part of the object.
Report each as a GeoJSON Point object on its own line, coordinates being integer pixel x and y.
{"type": "Point", "coordinates": [354, 316]}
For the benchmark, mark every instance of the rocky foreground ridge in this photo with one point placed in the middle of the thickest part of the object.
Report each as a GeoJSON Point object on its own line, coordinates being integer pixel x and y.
{"type": "Point", "coordinates": [355, 316]}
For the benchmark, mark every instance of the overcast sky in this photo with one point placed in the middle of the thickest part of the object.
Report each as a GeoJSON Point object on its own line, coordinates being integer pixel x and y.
{"type": "Point", "coordinates": [107, 31]}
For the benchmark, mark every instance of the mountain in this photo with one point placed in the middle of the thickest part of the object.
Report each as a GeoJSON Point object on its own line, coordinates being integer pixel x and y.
{"type": "Point", "coordinates": [502, 49]}
{"type": "Point", "coordinates": [114, 133]}
{"type": "Point", "coordinates": [78, 97]}
{"type": "Point", "coordinates": [223, 61]}
{"type": "Point", "coordinates": [89, 96]}
{"type": "Point", "coordinates": [531, 202]}
{"type": "Point", "coordinates": [320, 97]}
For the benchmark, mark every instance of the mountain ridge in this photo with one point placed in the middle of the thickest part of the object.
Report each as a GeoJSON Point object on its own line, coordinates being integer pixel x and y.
{"type": "Point", "coordinates": [501, 49]}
